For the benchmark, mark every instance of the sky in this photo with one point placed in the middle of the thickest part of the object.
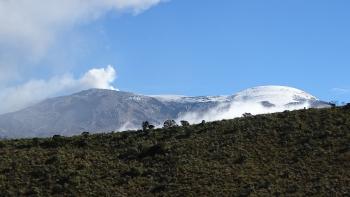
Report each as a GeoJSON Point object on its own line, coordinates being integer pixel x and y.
{"type": "Point", "coordinates": [57, 47]}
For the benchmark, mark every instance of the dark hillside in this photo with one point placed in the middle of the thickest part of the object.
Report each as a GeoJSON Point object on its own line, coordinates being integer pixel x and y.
{"type": "Point", "coordinates": [298, 153]}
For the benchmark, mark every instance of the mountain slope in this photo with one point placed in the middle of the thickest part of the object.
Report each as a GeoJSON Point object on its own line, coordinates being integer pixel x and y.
{"type": "Point", "coordinates": [98, 110]}
{"type": "Point", "coordinates": [87, 110]}
{"type": "Point", "coordinates": [298, 153]}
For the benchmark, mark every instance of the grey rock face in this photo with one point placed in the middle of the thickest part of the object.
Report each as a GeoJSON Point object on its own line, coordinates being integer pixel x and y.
{"type": "Point", "coordinates": [98, 110]}
{"type": "Point", "coordinates": [91, 110]}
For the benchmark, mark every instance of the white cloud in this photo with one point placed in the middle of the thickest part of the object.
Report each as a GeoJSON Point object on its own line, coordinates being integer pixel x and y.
{"type": "Point", "coordinates": [236, 109]}
{"type": "Point", "coordinates": [18, 97]}
{"type": "Point", "coordinates": [128, 126]}
{"type": "Point", "coordinates": [30, 29]}
{"type": "Point", "coordinates": [99, 78]}
{"type": "Point", "coordinates": [33, 24]}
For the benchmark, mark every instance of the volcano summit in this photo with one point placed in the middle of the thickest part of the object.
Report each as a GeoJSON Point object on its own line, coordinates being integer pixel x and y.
{"type": "Point", "coordinates": [98, 110]}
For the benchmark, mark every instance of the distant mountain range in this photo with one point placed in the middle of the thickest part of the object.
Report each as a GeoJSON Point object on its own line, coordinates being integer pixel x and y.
{"type": "Point", "coordinates": [98, 110]}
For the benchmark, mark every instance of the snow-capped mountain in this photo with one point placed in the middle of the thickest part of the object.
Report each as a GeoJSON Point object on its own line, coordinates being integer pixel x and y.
{"type": "Point", "coordinates": [97, 110]}
{"type": "Point", "coordinates": [274, 95]}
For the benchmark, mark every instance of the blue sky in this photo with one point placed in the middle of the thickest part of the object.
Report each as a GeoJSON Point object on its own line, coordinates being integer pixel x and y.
{"type": "Point", "coordinates": [209, 47]}
{"type": "Point", "coordinates": [183, 47]}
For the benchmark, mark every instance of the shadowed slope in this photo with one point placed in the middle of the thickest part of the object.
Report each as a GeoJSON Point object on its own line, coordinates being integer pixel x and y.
{"type": "Point", "coordinates": [299, 153]}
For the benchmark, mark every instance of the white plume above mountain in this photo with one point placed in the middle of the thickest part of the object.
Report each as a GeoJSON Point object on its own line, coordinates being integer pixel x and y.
{"type": "Point", "coordinates": [21, 96]}
{"type": "Point", "coordinates": [98, 110]}
{"type": "Point", "coordinates": [257, 100]}
{"type": "Point", "coordinates": [278, 95]}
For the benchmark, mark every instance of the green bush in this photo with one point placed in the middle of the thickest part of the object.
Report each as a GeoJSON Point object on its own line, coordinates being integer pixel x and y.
{"type": "Point", "coordinates": [296, 153]}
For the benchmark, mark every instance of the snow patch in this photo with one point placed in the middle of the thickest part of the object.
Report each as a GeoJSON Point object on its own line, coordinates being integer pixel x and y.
{"type": "Point", "coordinates": [257, 100]}
{"type": "Point", "coordinates": [190, 99]}
{"type": "Point", "coordinates": [277, 95]}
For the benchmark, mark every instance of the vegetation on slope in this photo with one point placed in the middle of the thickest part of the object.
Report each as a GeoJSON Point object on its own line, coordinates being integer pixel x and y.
{"type": "Point", "coordinates": [304, 152]}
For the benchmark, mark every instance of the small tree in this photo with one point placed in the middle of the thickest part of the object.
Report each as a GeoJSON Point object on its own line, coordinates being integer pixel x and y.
{"type": "Point", "coordinates": [151, 127]}
{"type": "Point", "coordinates": [169, 124]}
{"type": "Point", "coordinates": [2, 144]}
{"type": "Point", "coordinates": [85, 134]}
{"type": "Point", "coordinates": [184, 123]}
{"type": "Point", "coordinates": [334, 103]}
{"type": "Point", "coordinates": [57, 140]}
{"type": "Point", "coordinates": [347, 106]}
{"type": "Point", "coordinates": [247, 115]}
{"type": "Point", "coordinates": [145, 125]}
{"type": "Point", "coordinates": [56, 137]}
{"type": "Point", "coordinates": [35, 141]}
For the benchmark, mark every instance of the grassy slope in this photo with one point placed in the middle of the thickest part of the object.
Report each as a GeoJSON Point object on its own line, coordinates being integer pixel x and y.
{"type": "Point", "coordinates": [304, 152]}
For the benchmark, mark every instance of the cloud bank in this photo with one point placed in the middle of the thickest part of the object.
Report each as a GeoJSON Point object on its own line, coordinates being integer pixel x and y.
{"type": "Point", "coordinates": [33, 91]}
{"type": "Point", "coordinates": [31, 29]}
{"type": "Point", "coordinates": [236, 109]}
{"type": "Point", "coordinates": [33, 24]}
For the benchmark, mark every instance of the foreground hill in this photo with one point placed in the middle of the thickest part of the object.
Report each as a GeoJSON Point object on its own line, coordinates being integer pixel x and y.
{"type": "Point", "coordinates": [296, 153]}
{"type": "Point", "coordinates": [98, 110]}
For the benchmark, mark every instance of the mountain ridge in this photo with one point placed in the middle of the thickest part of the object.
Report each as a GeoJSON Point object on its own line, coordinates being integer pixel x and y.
{"type": "Point", "coordinates": [98, 110]}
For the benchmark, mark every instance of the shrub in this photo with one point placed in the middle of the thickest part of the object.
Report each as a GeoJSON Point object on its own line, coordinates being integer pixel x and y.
{"type": "Point", "coordinates": [35, 142]}
{"type": "Point", "coordinates": [2, 144]}
{"type": "Point", "coordinates": [85, 134]}
{"type": "Point", "coordinates": [157, 149]}
{"type": "Point", "coordinates": [145, 125]}
{"type": "Point", "coordinates": [247, 115]}
{"type": "Point", "coordinates": [169, 124]}
{"type": "Point", "coordinates": [184, 123]}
